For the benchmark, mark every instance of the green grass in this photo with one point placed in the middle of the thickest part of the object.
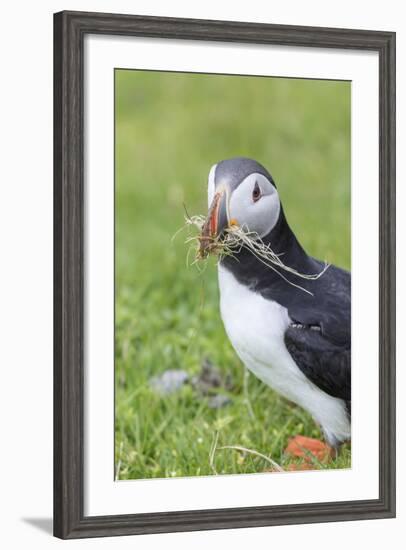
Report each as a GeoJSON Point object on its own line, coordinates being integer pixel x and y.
{"type": "Point", "coordinates": [170, 129]}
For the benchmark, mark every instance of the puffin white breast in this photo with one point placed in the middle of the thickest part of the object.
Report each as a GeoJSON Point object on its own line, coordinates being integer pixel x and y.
{"type": "Point", "coordinates": [256, 327]}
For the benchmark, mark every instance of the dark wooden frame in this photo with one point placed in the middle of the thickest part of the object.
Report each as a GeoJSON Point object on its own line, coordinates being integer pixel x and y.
{"type": "Point", "coordinates": [69, 31]}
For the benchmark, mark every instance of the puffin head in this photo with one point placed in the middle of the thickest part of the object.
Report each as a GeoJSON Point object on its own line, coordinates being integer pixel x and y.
{"type": "Point", "coordinates": [240, 192]}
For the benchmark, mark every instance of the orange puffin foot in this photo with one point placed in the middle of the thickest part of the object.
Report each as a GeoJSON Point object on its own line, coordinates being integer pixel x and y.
{"type": "Point", "coordinates": [310, 450]}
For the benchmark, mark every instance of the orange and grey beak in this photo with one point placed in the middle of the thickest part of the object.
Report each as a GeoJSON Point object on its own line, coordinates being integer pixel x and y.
{"type": "Point", "coordinates": [216, 222]}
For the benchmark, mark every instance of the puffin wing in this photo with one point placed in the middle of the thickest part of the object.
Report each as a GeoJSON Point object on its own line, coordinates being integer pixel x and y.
{"type": "Point", "coordinates": [326, 364]}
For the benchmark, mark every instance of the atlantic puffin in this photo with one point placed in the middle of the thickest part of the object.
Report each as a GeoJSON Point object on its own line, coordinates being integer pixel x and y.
{"type": "Point", "coordinates": [296, 338]}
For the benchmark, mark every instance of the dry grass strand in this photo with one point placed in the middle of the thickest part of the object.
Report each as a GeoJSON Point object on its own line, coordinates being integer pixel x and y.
{"type": "Point", "coordinates": [235, 239]}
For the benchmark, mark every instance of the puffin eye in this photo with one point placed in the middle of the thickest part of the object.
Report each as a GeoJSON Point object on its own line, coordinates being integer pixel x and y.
{"type": "Point", "coordinates": [256, 193]}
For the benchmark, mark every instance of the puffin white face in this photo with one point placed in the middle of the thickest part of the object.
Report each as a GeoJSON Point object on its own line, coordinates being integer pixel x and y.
{"type": "Point", "coordinates": [253, 204]}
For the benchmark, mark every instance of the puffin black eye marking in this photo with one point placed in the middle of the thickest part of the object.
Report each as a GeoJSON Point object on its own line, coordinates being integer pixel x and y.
{"type": "Point", "coordinates": [256, 193]}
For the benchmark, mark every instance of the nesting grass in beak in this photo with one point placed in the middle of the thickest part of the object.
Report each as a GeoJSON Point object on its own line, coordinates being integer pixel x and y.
{"type": "Point", "coordinates": [206, 242]}
{"type": "Point", "coordinates": [203, 241]}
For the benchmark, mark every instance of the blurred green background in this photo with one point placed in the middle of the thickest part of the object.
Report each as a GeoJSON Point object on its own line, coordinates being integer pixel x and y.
{"type": "Point", "coordinates": [170, 129]}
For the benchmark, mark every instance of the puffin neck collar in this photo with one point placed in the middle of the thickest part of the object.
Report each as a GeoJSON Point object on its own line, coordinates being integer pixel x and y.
{"type": "Point", "coordinates": [252, 272]}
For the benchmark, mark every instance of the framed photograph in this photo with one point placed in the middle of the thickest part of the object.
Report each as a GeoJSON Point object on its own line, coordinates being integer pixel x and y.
{"type": "Point", "coordinates": [224, 274]}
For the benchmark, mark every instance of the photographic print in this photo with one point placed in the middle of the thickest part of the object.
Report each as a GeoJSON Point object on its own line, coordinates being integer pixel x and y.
{"type": "Point", "coordinates": [232, 274]}
{"type": "Point", "coordinates": [224, 274]}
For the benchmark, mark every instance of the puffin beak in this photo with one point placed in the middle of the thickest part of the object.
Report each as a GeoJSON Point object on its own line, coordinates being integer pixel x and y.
{"type": "Point", "coordinates": [216, 222]}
